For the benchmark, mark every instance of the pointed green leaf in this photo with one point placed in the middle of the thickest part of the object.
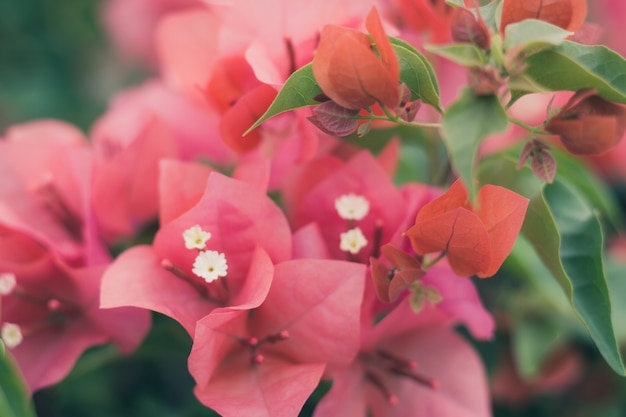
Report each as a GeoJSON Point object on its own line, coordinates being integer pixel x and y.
{"type": "Point", "coordinates": [14, 398]}
{"type": "Point", "coordinates": [572, 66]}
{"type": "Point", "coordinates": [465, 54]}
{"type": "Point", "coordinates": [533, 34]}
{"type": "Point", "coordinates": [567, 236]}
{"type": "Point", "coordinates": [417, 73]}
{"type": "Point", "coordinates": [466, 124]}
{"type": "Point", "coordinates": [299, 90]}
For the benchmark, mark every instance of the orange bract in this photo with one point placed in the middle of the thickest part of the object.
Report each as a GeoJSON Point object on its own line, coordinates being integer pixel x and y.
{"type": "Point", "coordinates": [567, 14]}
{"type": "Point", "coordinates": [348, 70]}
{"type": "Point", "coordinates": [590, 126]}
{"type": "Point", "coordinates": [475, 240]}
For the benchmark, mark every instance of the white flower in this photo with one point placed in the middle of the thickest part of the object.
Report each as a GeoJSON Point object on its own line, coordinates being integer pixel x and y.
{"type": "Point", "coordinates": [195, 237]}
{"type": "Point", "coordinates": [352, 206]}
{"type": "Point", "coordinates": [11, 335]}
{"type": "Point", "coordinates": [352, 241]}
{"type": "Point", "coordinates": [210, 265]}
{"type": "Point", "coordinates": [7, 283]}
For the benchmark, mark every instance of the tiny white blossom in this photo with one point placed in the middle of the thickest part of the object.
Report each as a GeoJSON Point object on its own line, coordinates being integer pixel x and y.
{"type": "Point", "coordinates": [11, 335]}
{"type": "Point", "coordinates": [210, 265]}
{"type": "Point", "coordinates": [195, 237]}
{"type": "Point", "coordinates": [352, 241]}
{"type": "Point", "coordinates": [7, 283]}
{"type": "Point", "coordinates": [352, 206]}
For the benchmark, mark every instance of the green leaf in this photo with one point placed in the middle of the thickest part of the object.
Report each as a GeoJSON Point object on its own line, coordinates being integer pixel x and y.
{"type": "Point", "coordinates": [568, 238]}
{"type": "Point", "coordinates": [595, 191]}
{"type": "Point", "coordinates": [417, 73]}
{"type": "Point", "coordinates": [572, 66]}
{"type": "Point", "coordinates": [465, 54]}
{"type": "Point", "coordinates": [299, 90]}
{"type": "Point", "coordinates": [466, 124]}
{"type": "Point", "coordinates": [14, 397]}
{"type": "Point", "coordinates": [533, 34]}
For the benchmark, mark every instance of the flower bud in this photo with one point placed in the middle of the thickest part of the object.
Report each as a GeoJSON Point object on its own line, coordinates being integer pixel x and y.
{"type": "Point", "coordinates": [589, 125]}
{"type": "Point", "coordinates": [466, 28]}
{"type": "Point", "coordinates": [348, 70]}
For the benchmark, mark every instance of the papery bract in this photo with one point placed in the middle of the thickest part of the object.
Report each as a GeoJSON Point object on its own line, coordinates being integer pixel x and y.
{"type": "Point", "coordinates": [127, 173]}
{"type": "Point", "coordinates": [350, 73]}
{"type": "Point", "coordinates": [267, 361]}
{"type": "Point", "coordinates": [245, 225]}
{"type": "Point", "coordinates": [45, 167]}
{"type": "Point", "coordinates": [475, 240]}
{"type": "Point", "coordinates": [567, 14]}
{"type": "Point", "coordinates": [589, 126]}
{"type": "Point", "coordinates": [409, 365]}
{"type": "Point", "coordinates": [56, 308]}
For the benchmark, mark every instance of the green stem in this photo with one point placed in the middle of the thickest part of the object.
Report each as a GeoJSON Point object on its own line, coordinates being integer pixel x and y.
{"type": "Point", "coordinates": [401, 122]}
{"type": "Point", "coordinates": [427, 264]}
{"type": "Point", "coordinates": [535, 130]}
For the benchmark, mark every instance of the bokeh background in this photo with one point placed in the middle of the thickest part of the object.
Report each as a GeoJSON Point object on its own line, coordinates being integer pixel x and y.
{"type": "Point", "coordinates": [57, 62]}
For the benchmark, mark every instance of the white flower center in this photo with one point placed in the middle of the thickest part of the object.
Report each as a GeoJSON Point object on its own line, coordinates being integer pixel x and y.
{"type": "Point", "coordinates": [352, 206]}
{"type": "Point", "coordinates": [7, 283]}
{"type": "Point", "coordinates": [352, 241]}
{"type": "Point", "coordinates": [210, 265]}
{"type": "Point", "coordinates": [11, 335]}
{"type": "Point", "coordinates": [195, 237]}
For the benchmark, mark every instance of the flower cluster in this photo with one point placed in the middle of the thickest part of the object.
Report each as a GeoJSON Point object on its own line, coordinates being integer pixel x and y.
{"type": "Point", "coordinates": [350, 271]}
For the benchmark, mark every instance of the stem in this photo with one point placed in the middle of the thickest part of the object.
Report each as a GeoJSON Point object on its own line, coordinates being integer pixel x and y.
{"type": "Point", "coordinates": [535, 130]}
{"type": "Point", "coordinates": [401, 122]}
{"type": "Point", "coordinates": [432, 262]}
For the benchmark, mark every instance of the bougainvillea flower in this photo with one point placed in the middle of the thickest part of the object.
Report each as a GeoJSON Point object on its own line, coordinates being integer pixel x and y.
{"type": "Point", "coordinates": [245, 226]}
{"type": "Point", "coordinates": [348, 70]}
{"type": "Point", "coordinates": [267, 361]}
{"type": "Point", "coordinates": [567, 14]}
{"type": "Point", "coordinates": [456, 297]}
{"type": "Point", "coordinates": [45, 168]}
{"type": "Point", "coordinates": [589, 124]}
{"type": "Point", "coordinates": [127, 173]}
{"type": "Point", "coordinates": [194, 129]}
{"type": "Point", "coordinates": [409, 364]}
{"type": "Point", "coordinates": [53, 313]}
{"type": "Point", "coordinates": [317, 189]}
{"type": "Point", "coordinates": [476, 240]}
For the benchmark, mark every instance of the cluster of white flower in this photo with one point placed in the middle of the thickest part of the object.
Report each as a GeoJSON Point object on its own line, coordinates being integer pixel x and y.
{"type": "Point", "coordinates": [10, 333]}
{"type": "Point", "coordinates": [352, 207]}
{"type": "Point", "coordinates": [209, 264]}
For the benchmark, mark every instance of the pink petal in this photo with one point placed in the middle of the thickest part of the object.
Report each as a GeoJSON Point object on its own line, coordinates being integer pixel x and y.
{"type": "Point", "coordinates": [138, 279]}
{"type": "Point", "coordinates": [317, 302]}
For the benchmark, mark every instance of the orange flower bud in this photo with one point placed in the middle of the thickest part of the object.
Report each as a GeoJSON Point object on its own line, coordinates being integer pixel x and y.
{"type": "Point", "coordinates": [348, 70]}
{"type": "Point", "coordinates": [589, 124]}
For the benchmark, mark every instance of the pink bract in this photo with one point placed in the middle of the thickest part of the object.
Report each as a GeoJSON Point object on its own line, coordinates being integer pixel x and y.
{"type": "Point", "coordinates": [245, 225]}
{"type": "Point", "coordinates": [267, 361]}
{"type": "Point", "coordinates": [57, 309]}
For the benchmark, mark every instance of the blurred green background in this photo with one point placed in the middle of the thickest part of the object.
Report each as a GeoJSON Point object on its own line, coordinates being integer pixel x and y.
{"type": "Point", "coordinates": [55, 62]}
